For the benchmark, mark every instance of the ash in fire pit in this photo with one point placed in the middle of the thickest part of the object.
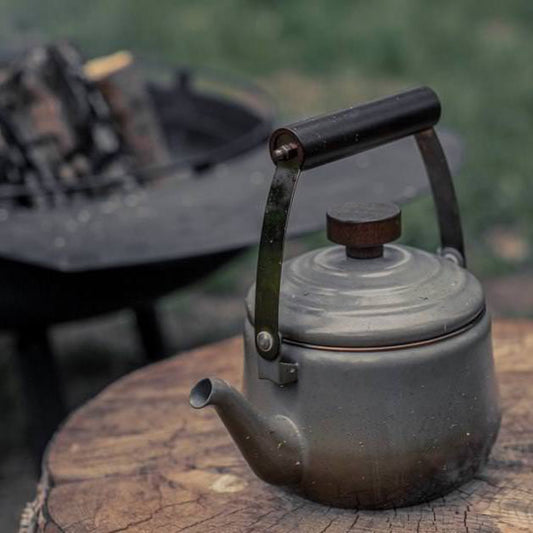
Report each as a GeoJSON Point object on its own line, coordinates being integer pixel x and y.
{"type": "Point", "coordinates": [63, 122]}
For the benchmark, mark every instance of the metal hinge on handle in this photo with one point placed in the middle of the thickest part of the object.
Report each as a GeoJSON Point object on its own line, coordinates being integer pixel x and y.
{"type": "Point", "coordinates": [324, 139]}
{"type": "Point", "coordinates": [268, 280]}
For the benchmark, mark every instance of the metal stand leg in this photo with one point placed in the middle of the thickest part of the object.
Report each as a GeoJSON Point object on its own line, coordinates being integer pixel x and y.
{"type": "Point", "coordinates": [150, 332]}
{"type": "Point", "coordinates": [42, 388]}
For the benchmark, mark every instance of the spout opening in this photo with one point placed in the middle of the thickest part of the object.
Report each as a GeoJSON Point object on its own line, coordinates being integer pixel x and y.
{"type": "Point", "coordinates": [200, 395]}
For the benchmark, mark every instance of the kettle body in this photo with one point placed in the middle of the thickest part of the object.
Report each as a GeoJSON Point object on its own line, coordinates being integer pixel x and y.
{"type": "Point", "coordinates": [387, 428]}
{"type": "Point", "coordinates": [368, 375]}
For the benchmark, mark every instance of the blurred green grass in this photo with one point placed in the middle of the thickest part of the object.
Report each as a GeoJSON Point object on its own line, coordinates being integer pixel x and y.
{"type": "Point", "coordinates": [316, 55]}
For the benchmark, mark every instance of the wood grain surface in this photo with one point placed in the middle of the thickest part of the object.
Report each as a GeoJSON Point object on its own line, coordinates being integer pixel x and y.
{"type": "Point", "coordinates": [137, 458]}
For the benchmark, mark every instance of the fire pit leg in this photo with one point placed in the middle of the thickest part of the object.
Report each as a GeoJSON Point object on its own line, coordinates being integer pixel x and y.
{"type": "Point", "coordinates": [42, 388]}
{"type": "Point", "coordinates": [150, 332]}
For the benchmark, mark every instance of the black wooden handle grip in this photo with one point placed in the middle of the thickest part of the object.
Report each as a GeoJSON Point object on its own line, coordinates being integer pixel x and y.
{"type": "Point", "coordinates": [326, 138]}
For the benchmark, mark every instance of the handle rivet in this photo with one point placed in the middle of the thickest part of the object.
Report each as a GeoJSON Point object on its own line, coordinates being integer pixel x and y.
{"type": "Point", "coordinates": [264, 341]}
{"type": "Point", "coordinates": [284, 152]}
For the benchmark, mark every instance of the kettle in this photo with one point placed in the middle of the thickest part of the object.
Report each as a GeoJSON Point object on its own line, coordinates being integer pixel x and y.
{"type": "Point", "coordinates": [368, 374]}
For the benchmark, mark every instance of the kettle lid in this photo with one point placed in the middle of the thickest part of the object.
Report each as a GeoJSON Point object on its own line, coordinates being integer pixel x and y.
{"type": "Point", "coordinates": [372, 294]}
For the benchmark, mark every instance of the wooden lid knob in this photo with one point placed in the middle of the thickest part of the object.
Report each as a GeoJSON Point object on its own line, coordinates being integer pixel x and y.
{"type": "Point", "coordinates": [364, 228]}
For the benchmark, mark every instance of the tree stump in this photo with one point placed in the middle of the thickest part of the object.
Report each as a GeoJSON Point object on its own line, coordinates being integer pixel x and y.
{"type": "Point", "coordinates": [137, 458]}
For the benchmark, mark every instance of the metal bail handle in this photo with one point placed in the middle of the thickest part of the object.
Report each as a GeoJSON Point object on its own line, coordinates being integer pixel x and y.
{"type": "Point", "coordinates": [325, 139]}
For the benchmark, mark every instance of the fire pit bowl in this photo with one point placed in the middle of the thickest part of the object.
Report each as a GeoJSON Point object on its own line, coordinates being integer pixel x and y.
{"type": "Point", "coordinates": [93, 251]}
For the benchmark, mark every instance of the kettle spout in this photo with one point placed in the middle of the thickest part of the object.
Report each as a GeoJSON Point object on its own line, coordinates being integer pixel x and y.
{"type": "Point", "coordinates": [270, 445]}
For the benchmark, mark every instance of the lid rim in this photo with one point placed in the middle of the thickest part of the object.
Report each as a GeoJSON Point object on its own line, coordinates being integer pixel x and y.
{"type": "Point", "coordinates": [407, 296]}
{"type": "Point", "coordinates": [390, 347]}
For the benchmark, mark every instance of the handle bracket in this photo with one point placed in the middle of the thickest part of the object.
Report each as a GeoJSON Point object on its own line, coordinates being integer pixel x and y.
{"type": "Point", "coordinates": [268, 279]}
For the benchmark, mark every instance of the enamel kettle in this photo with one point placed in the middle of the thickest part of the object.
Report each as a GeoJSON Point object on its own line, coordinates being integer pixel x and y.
{"type": "Point", "coordinates": [368, 374]}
